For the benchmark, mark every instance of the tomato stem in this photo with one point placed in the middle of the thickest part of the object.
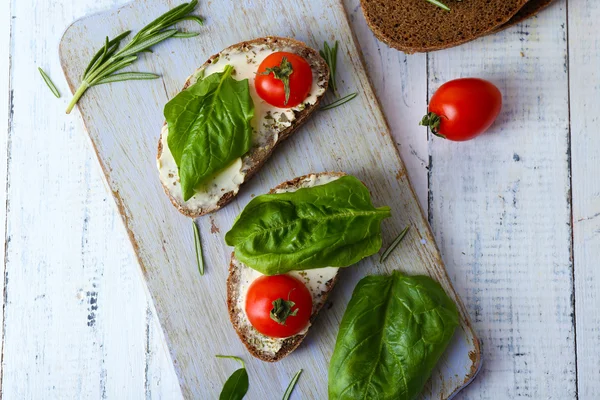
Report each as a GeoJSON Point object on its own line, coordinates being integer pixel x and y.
{"type": "Point", "coordinates": [282, 72]}
{"type": "Point", "coordinates": [282, 309]}
{"type": "Point", "coordinates": [433, 121]}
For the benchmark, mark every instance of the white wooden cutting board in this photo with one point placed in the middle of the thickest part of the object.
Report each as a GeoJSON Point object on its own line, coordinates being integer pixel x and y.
{"type": "Point", "coordinates": [123, 121]}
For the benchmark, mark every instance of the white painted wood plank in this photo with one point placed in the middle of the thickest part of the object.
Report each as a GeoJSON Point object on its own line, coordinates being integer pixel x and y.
{"type": "Point", "coordinates": [501, 214]}
{"type": "Point", "coordinates": [584, 62]}
{"type": "Point", "coordinates": [76, 311]}
{"type": "Point", "coordinates": [163, 237]}
{"type": "Point", "coordinates": [5, 118]}
{"type": "Point", "coordinates": [400, 82]}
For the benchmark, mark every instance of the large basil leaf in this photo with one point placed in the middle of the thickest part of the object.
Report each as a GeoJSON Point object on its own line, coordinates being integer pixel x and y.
{"type": "Point", "coordinates": [391, 337]}
{"type": "Point", "coordinates": [209, 126]}
{"type": "Point", "coordinates": [327, 225]}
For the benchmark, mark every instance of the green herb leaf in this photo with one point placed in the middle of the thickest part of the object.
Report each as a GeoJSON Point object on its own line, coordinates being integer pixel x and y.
{"type": "Point", "coordinates": [439, 4]}
{"type": "Point", "coordinates": [237, 384]}
{"type": "Point", "coordinates": [146, 43]}
{"type": "Point", "coordinates": [394, 244]}
{"type": "Point", "coordinates": [185, 35]}
{"type": "Point", "coordinates": [339, 102]}
{"type": "Point", "coordinates": [334, 224]}
{"type": "Point", "coordinates": [113, 44]}
{"type": "Point", "coordinates": [49, 82]}
{"type": "Point", "coordinates": [329, 54]}
{"type": "Point", "coordinates": [127, 76]}
{"type": "Point", "coordinates": [391, 336]}
{"type": "Point", "coordinates": [198, 246]}
{"type": "Point", "coordinates": [209, 127]}
{"type": "Point", "coordinates": [291, 386]}
{"type": "Point", "coordinates": [110, 59]}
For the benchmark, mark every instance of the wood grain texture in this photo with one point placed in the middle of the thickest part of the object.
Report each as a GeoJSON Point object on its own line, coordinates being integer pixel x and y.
{"type": "Point", "coordinates": [5, 115]}
{"type": "Point", "coordinates": [75, 315]}
{"type": "Point", "coordinates": [584, 60]}
{"type": "Point", "coordinates": [38, 354]}
{"type": "Point", "coordinates": [500, 210]}
{"type": "Point", "coordinates": [400, 82]}
{"type": "Point", "coordinates": [191, 308]}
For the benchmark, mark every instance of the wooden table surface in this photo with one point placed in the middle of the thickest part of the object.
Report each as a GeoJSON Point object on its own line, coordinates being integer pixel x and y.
{"type": "Point", "coordinates": [516, 212]}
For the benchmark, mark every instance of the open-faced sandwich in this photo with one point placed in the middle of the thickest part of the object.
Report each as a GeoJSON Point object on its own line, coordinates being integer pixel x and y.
{"type": "Point", "coordinates": [288, 247]}
{"type": "Point", "coordinates": [231, 114]}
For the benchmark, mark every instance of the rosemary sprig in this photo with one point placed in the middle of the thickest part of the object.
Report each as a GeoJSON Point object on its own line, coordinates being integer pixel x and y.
{"type": "Point", "coordinates": [110, 59]}
{"type": "Point", "coordinates": [339, 102]}
{"type": "Point", "coordinates": [329, 54]}
{"type": "Point", "coordinates": [49, 82]}
{"type": "Point", "coordinates": [394, 244]}
{"type": "Point", "coordinates": [439, 4]}
{"type": "Point", "coordinates": [198, 245]}
{"type": "Point", "coordinates": [290, 388]}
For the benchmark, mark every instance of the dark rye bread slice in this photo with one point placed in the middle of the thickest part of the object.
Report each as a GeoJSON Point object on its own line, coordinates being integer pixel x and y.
{"type": "Point", "coordinates": [419, 26]}
{"type": "Point", "coordinates": [529, 10]}
{"type": "Point", "coordinates": [257, 156]}
{"type": "Point", "coordinates": [247, 334]}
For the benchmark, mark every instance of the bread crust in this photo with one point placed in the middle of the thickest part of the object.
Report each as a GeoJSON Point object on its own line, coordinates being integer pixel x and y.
{"type": "Point", "coordinates": [529, 10]}
{"type": "Point", "coordinates": [259, 155]}
{"type": "Point", "coordinates": [233, 284]}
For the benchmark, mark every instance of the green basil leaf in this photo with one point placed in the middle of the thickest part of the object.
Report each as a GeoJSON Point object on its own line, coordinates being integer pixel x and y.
{"type": "Point", "coordinates": [391, 337]}
{"type": "Point", "coordinates": [236, 386]}
{"type": "Point", "coordinates": [209, 126]}
{"type": "Point", "coordinates": [327, 225]}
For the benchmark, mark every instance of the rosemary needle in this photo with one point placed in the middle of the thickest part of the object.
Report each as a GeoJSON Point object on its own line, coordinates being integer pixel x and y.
{"type": "Point", "coordinates": [290, 388]}
{"type": "Point", "coordinates": [49, 82]}
{"type": "Point", "coordinates": [339, 102]}
{"type": "Point", "coordinates": [394, 244]}
{"type": "Point", "coordinates": [110, 59]}
{"type": "Point", "coordinates": [198, 244]}
{"type": "Point", "coordinates": [439, 4]}
{"type": "Point", "coordinates": [329, 54]}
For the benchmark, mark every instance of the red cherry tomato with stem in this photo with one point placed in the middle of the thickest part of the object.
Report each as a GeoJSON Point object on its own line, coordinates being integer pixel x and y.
{"type": "Point", "coordinates": [278, 306]}
{"type": "Point", "coordinates": [463, 108]}
{"type": "Point", "coordinates": [283, 79]}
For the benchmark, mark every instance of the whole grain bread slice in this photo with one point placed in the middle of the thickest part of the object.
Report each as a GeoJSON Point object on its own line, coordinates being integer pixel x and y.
{"type": "Point", "coordinates": [419, 26]}
{"type": "Point", "coordinates": [247, 334]}
{"type": "Point", "coordinates": [257, 155]}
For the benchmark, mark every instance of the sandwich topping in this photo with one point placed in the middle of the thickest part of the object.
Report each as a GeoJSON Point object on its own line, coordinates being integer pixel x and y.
{"type": "Point", "coordinates": [278, 306]}
{"type": "Point", "coordinates": [316, 281]}
{"type": "Point", "coordinates": [329, 225]}
{"type": "Point", "coordinates": [301, 234]}
{"type": "Point", "coordinates": [261, 120]}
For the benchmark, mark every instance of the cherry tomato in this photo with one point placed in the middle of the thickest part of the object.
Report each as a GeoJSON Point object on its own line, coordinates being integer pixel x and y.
{"type": "Point", "coordinates": [283, 79]}
{"type": "Point", "coordinates": [463, 108]}
{"type": "Point", "coordinates": [278, 306]}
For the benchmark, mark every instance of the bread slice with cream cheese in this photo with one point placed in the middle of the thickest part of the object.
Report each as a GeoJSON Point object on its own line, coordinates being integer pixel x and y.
{"type": "Point", "coordinates": [271, 125]}
{"type": "Point", "coordinates": [319, 282]}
